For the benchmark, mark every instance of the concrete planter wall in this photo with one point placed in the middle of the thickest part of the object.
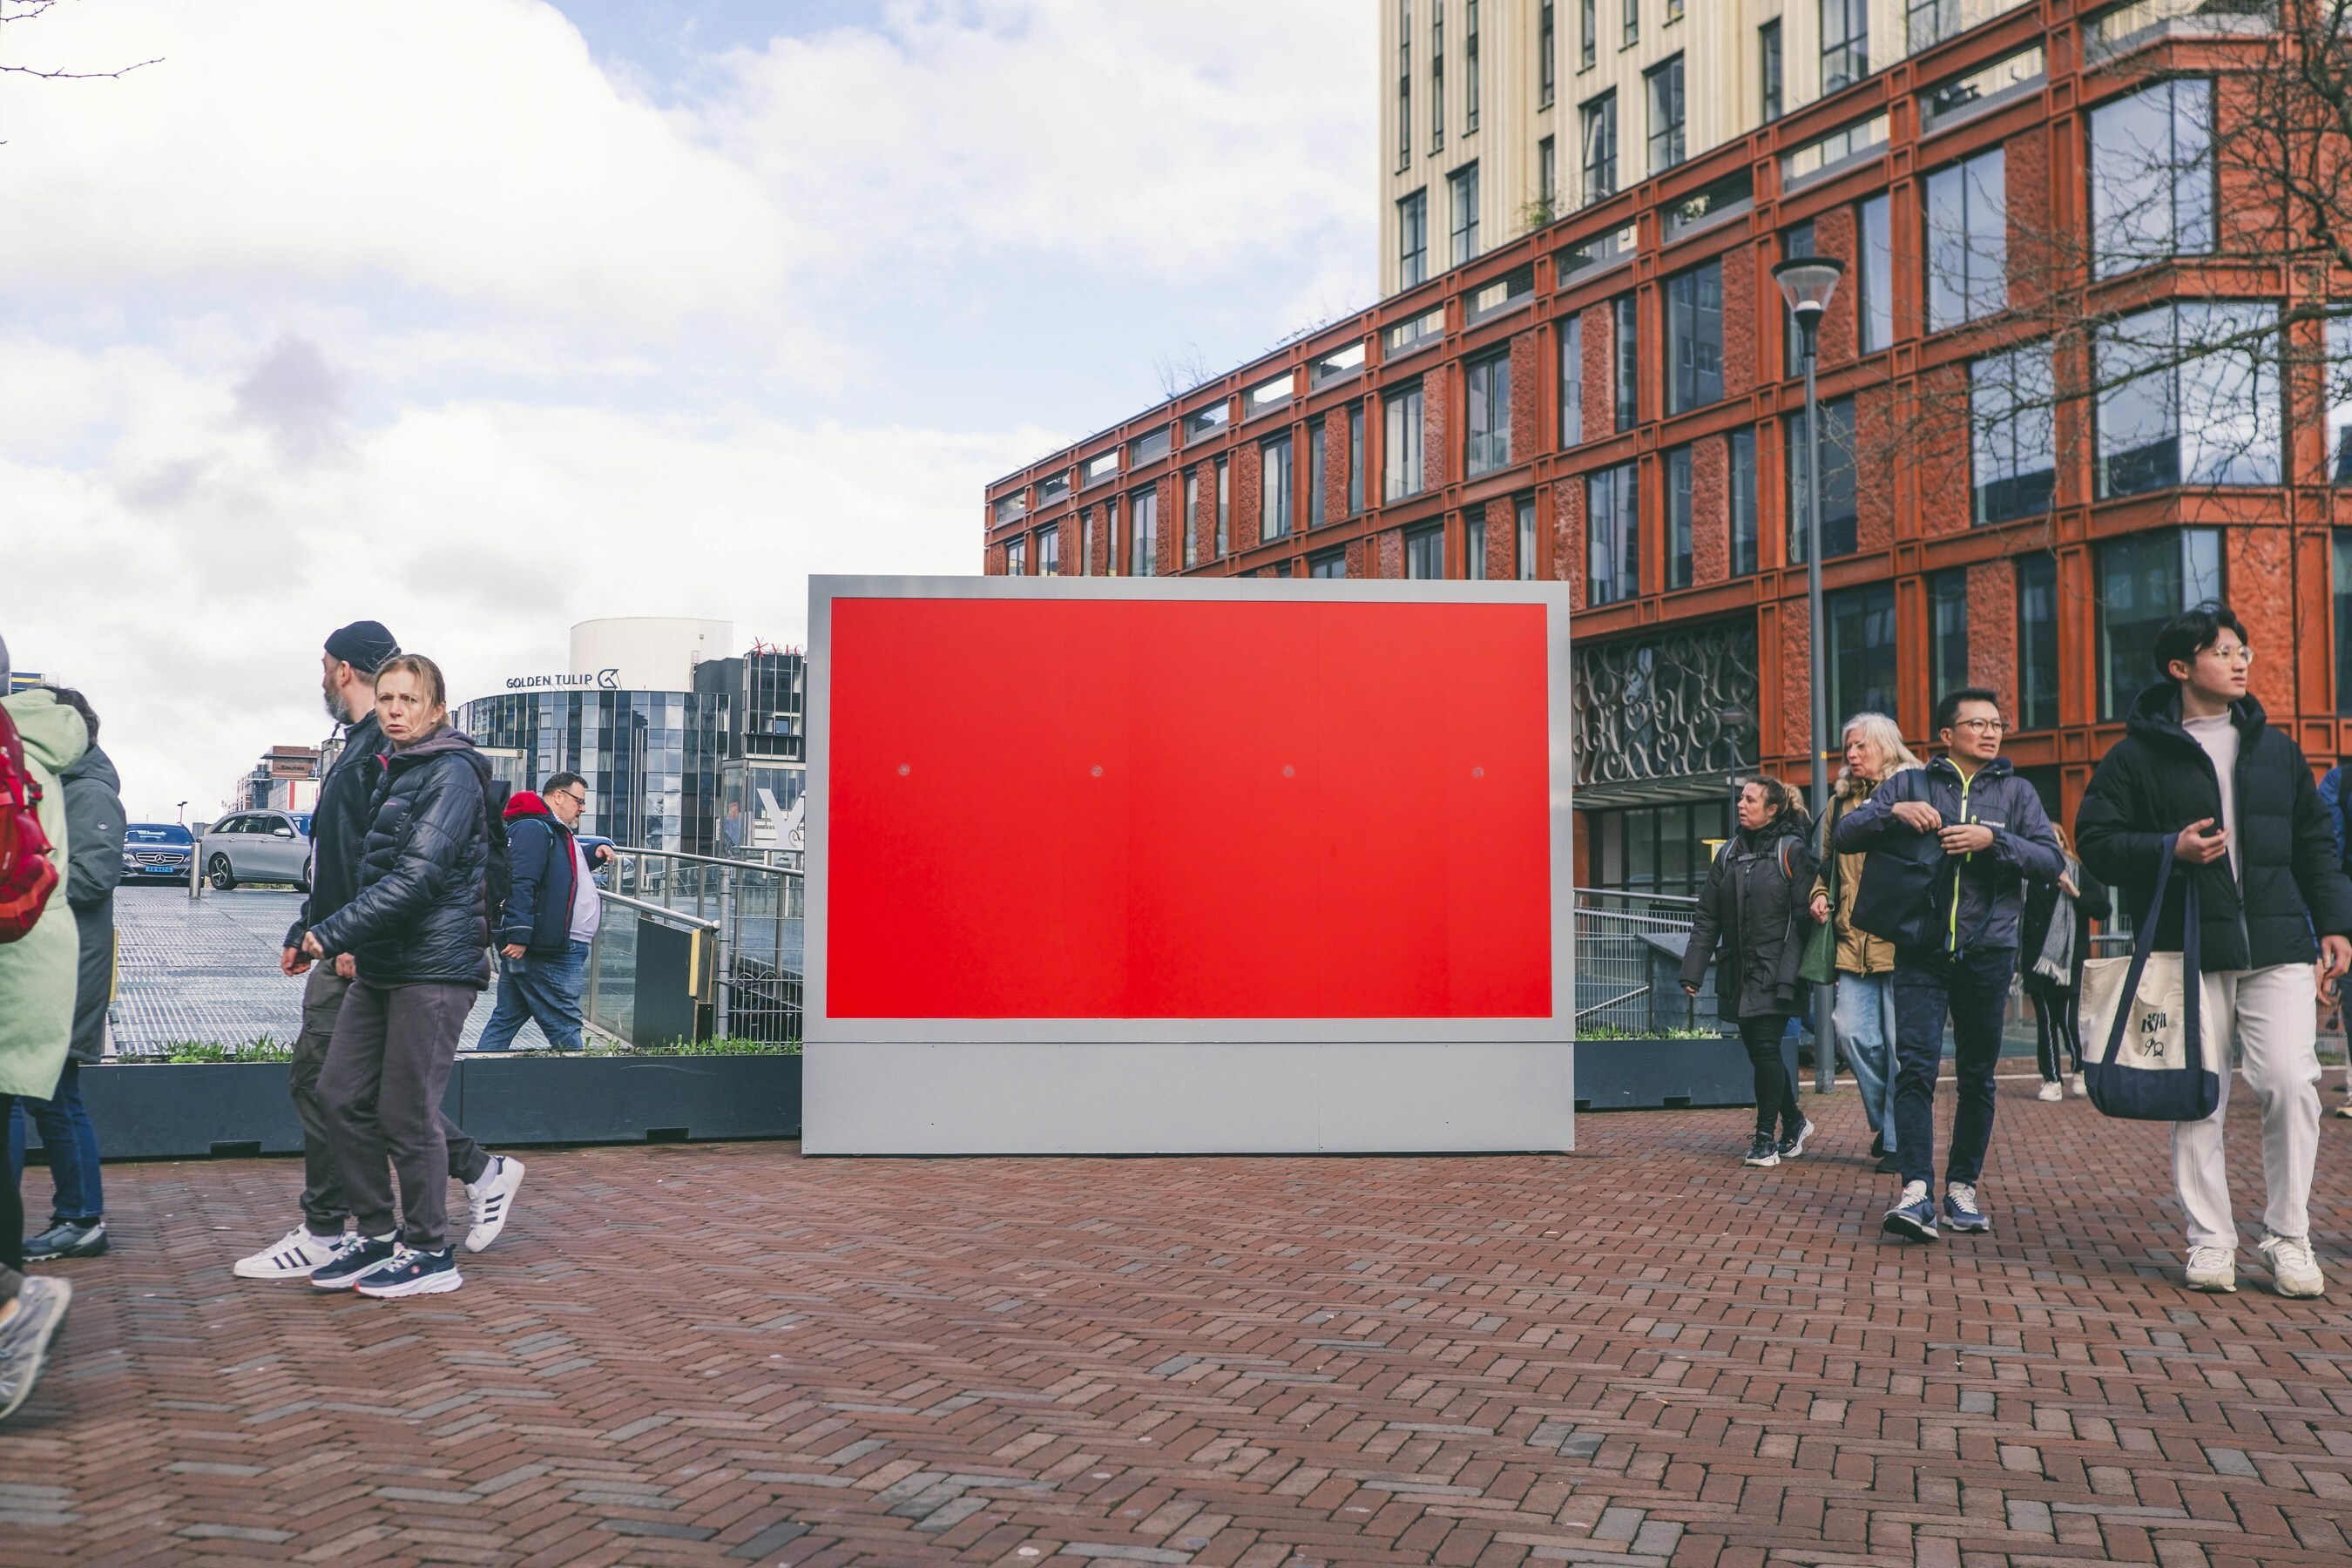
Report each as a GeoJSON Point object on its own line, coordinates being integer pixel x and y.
{"type": "Point", "coordinates": [242, 1108]}
{"type": "Point", "coordinates": [1649, 1075]}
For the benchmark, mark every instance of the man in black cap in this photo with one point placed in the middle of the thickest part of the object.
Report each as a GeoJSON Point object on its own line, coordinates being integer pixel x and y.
{"type": "Point", "coordinates": [338, 825]}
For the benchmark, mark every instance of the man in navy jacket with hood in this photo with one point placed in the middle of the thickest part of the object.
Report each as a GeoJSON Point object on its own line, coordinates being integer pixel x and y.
{"type": "Point", "coordinates": [542, 934]}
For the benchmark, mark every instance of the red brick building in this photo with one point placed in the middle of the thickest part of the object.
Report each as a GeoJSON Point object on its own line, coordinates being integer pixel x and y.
{"type": "Point", "coordinates": [1610, 401]}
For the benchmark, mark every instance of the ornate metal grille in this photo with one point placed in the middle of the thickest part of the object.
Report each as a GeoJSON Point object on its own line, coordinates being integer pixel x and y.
{"type": "Point", "coordinates": [1654, 707]}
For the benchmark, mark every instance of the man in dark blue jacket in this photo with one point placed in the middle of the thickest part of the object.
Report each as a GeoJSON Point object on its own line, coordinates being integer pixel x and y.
{"type": "Point", "coordinates": [1956, 949]}
{"type": "Point", "coordinates": [551, 914]}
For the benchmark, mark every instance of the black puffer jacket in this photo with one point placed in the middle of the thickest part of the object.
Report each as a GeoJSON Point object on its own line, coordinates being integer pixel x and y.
{"type": "Point", "coordinates": [419, 915]}
{"type": "Point", "coordinates": [1754, 904]}
{"type": "Point", "coordinates": [2157, 780]}
{"type": "Point", "coordinates": [339, 823]}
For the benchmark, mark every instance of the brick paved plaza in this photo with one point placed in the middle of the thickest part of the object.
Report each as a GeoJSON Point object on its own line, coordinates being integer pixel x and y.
{"type": "Point", "coordinates": [1638, 1354]}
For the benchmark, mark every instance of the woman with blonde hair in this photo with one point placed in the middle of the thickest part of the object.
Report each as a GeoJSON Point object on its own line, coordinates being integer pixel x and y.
{"type": "Point", "coordinates": [1865, 1011]}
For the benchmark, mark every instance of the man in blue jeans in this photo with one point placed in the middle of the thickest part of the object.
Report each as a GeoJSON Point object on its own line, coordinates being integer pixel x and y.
{"type": "Point", "coordinates": [550, 916]}
{"type": "Point", "coordinates": [1955, 948]}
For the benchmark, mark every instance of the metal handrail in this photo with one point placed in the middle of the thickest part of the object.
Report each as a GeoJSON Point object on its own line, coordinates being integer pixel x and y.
{"type": "Point", "coordinates": [1677, 900]}
{"type": "Point", "coordinates": [694, 922]}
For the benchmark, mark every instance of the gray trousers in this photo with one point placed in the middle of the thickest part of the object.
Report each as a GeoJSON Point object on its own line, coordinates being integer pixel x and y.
{"type": "Point", "coordinates": [324, 1207]}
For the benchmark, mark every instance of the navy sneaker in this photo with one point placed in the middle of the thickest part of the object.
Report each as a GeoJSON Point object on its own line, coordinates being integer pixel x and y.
{"type": "Point", "coordinates": [1790, 1147]}
{"type": "Point", "coordinates": [68, 1238]}
{"type": "Point", "coordinates": [357, 1255]}
{"type": "Point", "coordinates": [1763, 1150]}
{"type": "Point", "coordinates": [412, 1273]}
{"type": "Point", "coordinates": [1960, 1210]}
{"type": "Point", "coordinates": [1913, 1215]}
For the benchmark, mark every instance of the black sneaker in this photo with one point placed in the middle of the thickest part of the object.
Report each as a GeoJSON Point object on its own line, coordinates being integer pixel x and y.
{"type": "Point", "coordinates": [1889, 1165]}
{"type": "Point", "coordinates": [357, 1255]}
{"type": "Point", "coordinates": [1878, 1145]}
{"type": "Point", "coordinates": [412, 1273]}
{"type": "Point", "coordinates": [1763, 1151]}
{"type": "Point", "coordinates": [68, 1238]}
{"type": "Point", "coordinates": [1794, 1145]}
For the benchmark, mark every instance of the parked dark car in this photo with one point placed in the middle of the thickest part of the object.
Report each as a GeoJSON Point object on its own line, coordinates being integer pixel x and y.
{"type": "Point", "coordinates": [156, 851]}
{"type": "Point", "coordinates": [259, 847]}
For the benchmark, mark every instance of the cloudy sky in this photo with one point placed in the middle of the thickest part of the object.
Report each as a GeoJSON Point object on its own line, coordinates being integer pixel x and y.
{"type": "Point", "coordinates": [482, 317]}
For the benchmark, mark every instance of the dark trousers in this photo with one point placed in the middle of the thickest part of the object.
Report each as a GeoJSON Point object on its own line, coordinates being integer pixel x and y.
{"type": "Point", "coordinates": [324, 1209]}
{"type": "Point", "coordinates": [1776, 1084]}
{"type": "Point", "coordinates": [12, 1222]}
{"type": "Point", "coordinates": [2057, 1033]}
{"type": "Point", "coordinates": [1971, 989]}
{"type": "Point", "coordinates": [71, 1144]}
{"type": "Point", "coordinates": [381, 1088]}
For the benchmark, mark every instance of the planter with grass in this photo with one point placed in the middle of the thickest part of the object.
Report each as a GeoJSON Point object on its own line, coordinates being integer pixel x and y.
{"type": "Point", "coordinates": [211, 1100]}
{"type": "Point", "coordinates": [1675, 1070]}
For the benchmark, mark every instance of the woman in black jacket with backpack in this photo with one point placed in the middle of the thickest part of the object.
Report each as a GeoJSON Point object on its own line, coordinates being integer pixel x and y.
{"type": "Point", "coordinates": [1755, 905]}
{"type": "Point", "coordinates": [419, 931]}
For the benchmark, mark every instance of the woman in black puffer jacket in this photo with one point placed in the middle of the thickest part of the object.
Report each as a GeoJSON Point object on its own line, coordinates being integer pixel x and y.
{"type": "Point", "coordinates": [418, 930]}
{"type": "Point", "coordinates": [1755, 903]}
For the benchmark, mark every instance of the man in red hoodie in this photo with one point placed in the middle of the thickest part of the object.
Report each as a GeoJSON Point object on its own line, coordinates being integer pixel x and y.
{"type": "Point", "coordinates": [551, 914]}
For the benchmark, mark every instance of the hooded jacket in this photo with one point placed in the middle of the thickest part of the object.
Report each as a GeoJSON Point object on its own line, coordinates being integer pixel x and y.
{"type": "Point", "coordinates": [1754, 903]}
{"type": "Point", "coordinates": [418, 916]}
{"type": "Point", "coordinates": [339, 823]}
{"type": "Point", "coordinates": [94, 823]}
{"type": "Point", "coordinates": [538, 912]}
{"type": "Point", "coordinates": [1858, 952]}
{"type": "Point", "coordinates": [2157, 780]}
{"type": "Point", "coordinates": [1978, 905]}
{"type": "Point", "coordinates": [37, 969]}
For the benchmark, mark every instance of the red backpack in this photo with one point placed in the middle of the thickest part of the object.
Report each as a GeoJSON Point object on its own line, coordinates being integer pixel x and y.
{"type": "Point", "coordinates": [27, 877]}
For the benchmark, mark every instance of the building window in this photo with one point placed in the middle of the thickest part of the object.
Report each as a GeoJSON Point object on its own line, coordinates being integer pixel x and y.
{"type": "Point", "coordinates": [1224, 509]}
{"type": "Point", "coordinates": [1486, 385]}
{"type": "Point", "coordinates": [1665, 115]}
{"type": "Point", "coordinates": [1547, 178]}
{"type": "Point", "coordinates": [1695, 338]}
{"type": "Point", "coordinates": [2013, 436]}
{"type": "Point", "coordinates": [1743, 502]}
{"type": "Point", "coordinates": [2145, 580]}
{"type": "Point", "coordinates": [1404, 84]}
{"type": "Point", "coordinates": [1796, 243]}
{"type": "Point", "coordinates": [1588, 46]}
{"type": "Point", "coordinates": [1629, 362]}
{"type": "Point", "coordinates": [1546, 69]}
{"type": "Point", "coordinates": [1424, 552]}
{"type": "Point", "coordinates": [1014, 553]}
{"type": "Point", "coordinates": [1678, 517]}
{"type": "Point", "coordinates": [1412, 239]}
{"type": "Point", "coordinates": [1462, 185]}
{"type": "Point", "coordinates": [1144, 532]}
{"type": "Point", "coordinates": [1401, 460]}
{"type": "Point", "coordinates": [1845, 43]}
{"type": "Point", "coordinates": [1861, 649]}
{"type": "Point", "coordinates": [1875, 311]}
{"type": "Point", "coordinates": [1331, 564]}
{"type": "Point", "coordinates": [1275, 485]}
{"type": "Point", "coordinates": [1523, 538]}
{"type": "Point", "coordinates": [2037, 641]}
{"type": "Point", "coordinates": [1318, 474]}
{"type": "Point", "coordinates": [2152, 175]}
{"type": "Point", "coordinates": [2343, 564]}
{"type": "Point", "coordinates": [1767, 63]}
{"type": "Point", "coordinates": [1673, 10]}
{"type": "Point", "coordinates": [1474, 544]}
{"type": "Point", "coordinates": [1968, 241]}
{"type": "Point", "coordinates": [1355, 458]}
{"type": "Point", "coordinates": [1470, 67]}
{"type": "Point", "coordinates": [1189, 525]}
{"type": "Point", "coordinates": [1612, 552]}
{"type": "Point", "coordinates": [1633, 12]}
{"type": "Point", "coordinates": [1571, 381]}
{"type": "Point", "coordinates": [2191, 398]}
{"type": "Point", "coordinates": [1933, 21]}
{"type": "Point", "coordinates": [1838, 516]}
{"type": "Point", "coordinates": [1437, 76]}
{"type": "Point", "coordinates": [1947, 632]}
{"type": "Point", "coordinates": [1655, 849]}
{"type": "Point", "coordinates": [1049, 552]}
{"type": "Point", "coordinates": [1601, 147]}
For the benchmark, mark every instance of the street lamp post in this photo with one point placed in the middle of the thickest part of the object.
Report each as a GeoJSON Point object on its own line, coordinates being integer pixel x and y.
{"type": "Point", "coordinates": [1806, 284]}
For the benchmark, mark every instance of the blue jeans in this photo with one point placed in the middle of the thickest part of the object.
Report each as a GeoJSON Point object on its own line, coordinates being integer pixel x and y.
{"type": "Point", "coordinates": [542, 987]}
{"type": "Point", "coordinates": [1865, 1027]}
{"type": "Point", "coordinates": [71, 1143]}
{"type": "Point", "coordinates": [1972, 989]}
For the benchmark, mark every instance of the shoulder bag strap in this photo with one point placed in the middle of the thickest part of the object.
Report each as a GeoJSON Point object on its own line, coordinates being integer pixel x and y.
{"type": "Point", "coordinates": [2144, 944]}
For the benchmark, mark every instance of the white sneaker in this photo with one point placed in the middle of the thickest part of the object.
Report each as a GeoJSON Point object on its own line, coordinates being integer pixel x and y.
{"type": "Point", "coordinates": [491, 1200]}
{"type": "Point", "coordinates": [2079, 1087]}
{"type": "Point", "coordinates": [291, 1257]}
{"type": "Point", "coordinates": [2294, 1270]}
{"type": "Point", "coordinates": [2213, 1268]}
{"type": "Point", "coordinates": [2344, 1109]}
{"type": "Point", "coordinates": [2051, 1090]}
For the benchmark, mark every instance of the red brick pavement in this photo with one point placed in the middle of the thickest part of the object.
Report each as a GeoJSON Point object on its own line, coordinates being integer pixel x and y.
{"type": "Point", "coordinates": [1637, 1355]}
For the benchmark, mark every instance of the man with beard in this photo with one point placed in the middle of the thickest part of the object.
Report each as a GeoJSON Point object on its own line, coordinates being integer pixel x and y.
{"type": "Point", "coordinates": [339, 830]}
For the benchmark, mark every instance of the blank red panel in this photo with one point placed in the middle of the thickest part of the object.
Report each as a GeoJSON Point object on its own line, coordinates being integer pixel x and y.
{"type": "Point", "coordinates": [1058, 808]}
